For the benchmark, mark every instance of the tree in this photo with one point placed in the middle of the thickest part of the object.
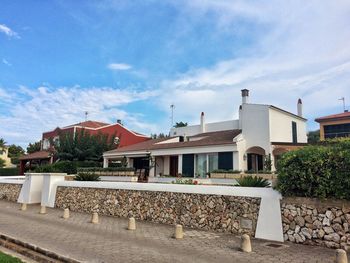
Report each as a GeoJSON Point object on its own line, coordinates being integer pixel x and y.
{"type": "Point", "coordinates": [180, 124]}
{"type": "Point", "coordinates": [313, 137]}
{"type": "Point", "coordinates": [15, 151]}
{"type": "Point", "coordinates": [2, 145]}
{"type": "Point", "coordinates": [2, 163]}
{"type": "Point", "coordinates": [160, 135]}
{"type": "Point", "coordinates": [83, 146]}
{"type": "Point", "coordinates": [34, 147]}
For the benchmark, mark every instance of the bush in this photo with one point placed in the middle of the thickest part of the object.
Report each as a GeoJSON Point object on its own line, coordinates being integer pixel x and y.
{"type": "Point", "coordinates": [68, 167]}
{"type": "Point", "coordinates": [9, 171]}
{"type": "Point", "coordinates": [226, 171]}
{"type": "Point", "coordinates": [108, 169]}
{"type": "Point", "coordinates": [252, 181]}
{"type": "Point", "coordinates": [87, 177]}
{"type": "Point", "coordinates": [321, 171]}
{"type": "Point", "coordinates": [185, 181]}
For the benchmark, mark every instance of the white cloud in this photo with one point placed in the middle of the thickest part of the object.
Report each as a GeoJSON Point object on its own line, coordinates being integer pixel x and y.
{"type": "Point", "coordinates": [44, 108]}
{"type": "Point", "coordinates": [8, 31]}
{"type": "Point", "coordinates": [6, 62]}
{"type": "Point", "coordinates": [119, 66]}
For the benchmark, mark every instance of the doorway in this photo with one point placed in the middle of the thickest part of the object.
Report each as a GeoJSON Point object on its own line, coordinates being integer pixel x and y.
{"type": "Point", "coordinates": [174, 161]}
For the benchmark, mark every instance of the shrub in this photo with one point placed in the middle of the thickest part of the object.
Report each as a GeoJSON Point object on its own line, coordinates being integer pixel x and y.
{"type": "Point", "coordinates": [321, 171]}
{"type": "Point", "coordinates": [226, 171]}
{"type": "Point", "coordinates": [108, 169]}
{"type": "Point", "coordinates": [252, 181]}
{"type": "Point", "coordinates": [87, 177]}
{"type": "Point", "coordinates": [185, 181]}
{"type": "Point", "coordinates": [9, 171]}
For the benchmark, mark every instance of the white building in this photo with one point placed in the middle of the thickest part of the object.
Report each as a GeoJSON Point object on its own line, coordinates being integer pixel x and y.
{"type": "Point", "coordinates": [261, 132]}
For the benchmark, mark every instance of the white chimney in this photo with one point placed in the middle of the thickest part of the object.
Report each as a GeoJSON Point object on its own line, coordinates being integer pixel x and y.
{"type": "Point", "coordinates": [245, 95]}
{"type": "Point", "coordinates": [202, 123]}
{"type": "Point", "coordinates": [300, 108]}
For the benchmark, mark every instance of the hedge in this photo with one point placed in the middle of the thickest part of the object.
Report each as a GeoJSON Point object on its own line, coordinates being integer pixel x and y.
{"type": "Point", "coordinates": [69, 167]}
{"type": "Point", "coordinates": [108, 169]}
{"type": "Point", "coordinates": [321, 171]}
{"type": "Point", "coordinates": [9, 171]}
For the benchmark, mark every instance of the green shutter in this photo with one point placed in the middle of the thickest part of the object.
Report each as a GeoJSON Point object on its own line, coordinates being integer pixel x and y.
{"type": "Point", "coordinates": [188, 165]}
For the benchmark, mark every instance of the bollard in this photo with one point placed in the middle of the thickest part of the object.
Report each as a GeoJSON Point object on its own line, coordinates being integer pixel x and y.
{"type": "Point", "coordinates": [66, 213]}
{"type": "Point", "coordinates": [42, 210]}
{"type": "Point", "coordinates": [23, 207]}
{"type": "Point", "coordinates": [179, 232]}
{"type": "Point", "coordinates": [131, 224]}
{"type": "Point", "coordinates": [340, 256]}
{"type": "Point", "coordinates": [245, 243]}
{"type": "Point", "coordinates": [94, 218]}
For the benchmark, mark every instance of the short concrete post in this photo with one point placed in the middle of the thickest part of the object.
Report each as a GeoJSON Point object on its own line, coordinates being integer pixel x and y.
{"type": "Point", "coordinates": [179, 234]}
{"type": "Point", "coordinates": [66, 213]}
{"type": "Point", "coordinates": [94, 218]}
{"type": "Point", "coordinates": [245, 243]}
{"type": "Point", "coordinates": [340, 256]}
{"type": "Point", "coordinates": [42, 210]}
{"type": "Point", "coordinates": [131, 224]}
{"type": "Point", "coordinates": [23, 207]}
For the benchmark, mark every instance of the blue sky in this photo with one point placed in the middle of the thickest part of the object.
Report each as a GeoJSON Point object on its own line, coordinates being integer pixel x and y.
{"type": "Point", "coordinates": [130, 60]}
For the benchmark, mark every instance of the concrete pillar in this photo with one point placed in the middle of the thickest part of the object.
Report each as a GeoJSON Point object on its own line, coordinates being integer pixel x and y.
{"type": "Point", "coordinates": [179, 166]}
{"type": "Point", "coordinates": [66, 213]}
{"type": "Point", "coordinates": [105, 162]}
{"type": "Point", "coordinates": [245, 243]}
{"type": "Point", "coordinates": [42, 210]}
{"type": "Point", "coordinates": [94, 218]}
{"type": "Point", "coordinates": [131, 224]}
{"type": "Point", "coordinates": [23, 207]}
{"type": "Point", "coordinates": [179, 232]}
{"type": "Point", "coordinates": [152, 167]}
{"type": "Point", "coordinates": [340, 256]}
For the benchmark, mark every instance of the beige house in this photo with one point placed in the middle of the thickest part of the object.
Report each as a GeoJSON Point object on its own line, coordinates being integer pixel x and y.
{"type": "Point", "coordinates": [4, 155]}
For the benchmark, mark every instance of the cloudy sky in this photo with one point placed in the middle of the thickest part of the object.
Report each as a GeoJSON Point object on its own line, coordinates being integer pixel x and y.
{"type": "Point", "coordinates": [130, 60]}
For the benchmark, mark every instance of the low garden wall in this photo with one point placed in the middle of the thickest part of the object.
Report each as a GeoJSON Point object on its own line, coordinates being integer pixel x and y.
{"type": "Point", "coordinates": [10, 192]}
{"type": "Point", "coordinates": [315, 222]}
{"type": "Point", "coordinates": [235, 214]}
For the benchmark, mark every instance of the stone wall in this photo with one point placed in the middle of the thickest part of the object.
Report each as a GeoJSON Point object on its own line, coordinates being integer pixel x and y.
{"type": "Point", "coordinates": [315, 222]}
{"type": "Point", "coordinates": [211, 212]}
{"type": "Point", "coordinates": [10, 192]}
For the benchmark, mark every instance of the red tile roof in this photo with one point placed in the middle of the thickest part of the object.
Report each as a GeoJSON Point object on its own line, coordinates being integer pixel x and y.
{"type": "Point", "coordinates": [89, 124]}
{"type": "Point", "coordinates": [344, 115]}
{"type": "Point", "coordinates": [209, 138]}
{"type": "Point", "coordinates": [36, 155]}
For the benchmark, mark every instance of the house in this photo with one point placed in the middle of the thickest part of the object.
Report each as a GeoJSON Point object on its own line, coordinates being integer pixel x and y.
{"type": "Point", "coordinates": [261, 131]}
{"type": "Point", "coordinates": [4, 156]}
{"type": "Point", "coordinates": [336, 125]}
{"type": "Point", "coordinates": [122, 137]}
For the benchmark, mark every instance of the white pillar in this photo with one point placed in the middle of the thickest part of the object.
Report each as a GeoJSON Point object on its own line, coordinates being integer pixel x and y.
{"type": "Point", "coordinates": [152, 169]}
{"type": "Point", "coordinates": [105, 162]}
{"type": "Point", "coordinates": [179, 164]}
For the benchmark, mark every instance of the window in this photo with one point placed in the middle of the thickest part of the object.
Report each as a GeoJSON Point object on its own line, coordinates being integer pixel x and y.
{"type": "Point", "coordinates": [338, 130]}
{"type": "Point", "coordinates": [201, 165]}
{"type": "Point", "coordinates": [294, 132]}
{"type": "Point", "coordinates": [213, 162]}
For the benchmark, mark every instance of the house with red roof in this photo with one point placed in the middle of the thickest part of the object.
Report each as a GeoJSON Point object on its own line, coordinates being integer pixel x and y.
{"type": "Point", "coordinates": [333, 126]}
{"type": "Point", "coordinates": [123, 137]}
{"type": "Point", "coordinates": [261, 131]}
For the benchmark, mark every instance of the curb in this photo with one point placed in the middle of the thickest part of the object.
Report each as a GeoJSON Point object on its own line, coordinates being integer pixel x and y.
{"type": "Point", "coordinates": [32, 251]}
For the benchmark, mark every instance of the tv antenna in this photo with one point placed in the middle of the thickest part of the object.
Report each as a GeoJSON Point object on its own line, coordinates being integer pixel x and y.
{"type": "Point", "coordinates": [343, 99]}
{"type": "Point", "coordinates": [86, 115]}
{"type": "Point", "coordinates": [172, 107]}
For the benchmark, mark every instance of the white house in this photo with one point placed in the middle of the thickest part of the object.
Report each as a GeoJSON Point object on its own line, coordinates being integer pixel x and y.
{"type": "Point", "coordinates": [261, 132]}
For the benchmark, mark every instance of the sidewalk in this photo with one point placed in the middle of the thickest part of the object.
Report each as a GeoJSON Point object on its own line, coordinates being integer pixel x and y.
{"type": "Point", "coordinates": [109, 241]}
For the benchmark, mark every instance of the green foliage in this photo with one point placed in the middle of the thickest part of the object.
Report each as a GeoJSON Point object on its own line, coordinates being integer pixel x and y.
{"type": "Point", "coordinates": [2, 163]}
{"type": "Point", "coordinates": [180, 124]}
{"type": "Point", "coordinates": [15, 151]}
{"type": "Point", "coordinates": [108, 169]}
{"type": "Point", "coordinates": [86, 176]}
{"type": "Point", "coordinates": [252, 181]}
{"type": "Point", "coordinates": [83, 146]}
{"type": "Point", "coordinates": [185, 181]}
{"type": "Point", "coordinates": [8, 259]}
{"type": "Point", "coordinates": [226, 171]}
{"type": "Point", "coordinates": [313, 137]}
{"type": "Point", "coordinates": [67, 167]}
{"type": "Point", "coordinates": [34, 147]}
{"type": "Point", "coordinates": [9, 171]}
{"type": "Point", "coordinates": [267, 163]}
{"type": "Point", "coordinates": [124, 162]}
{"type": "Point", "coordinates": [321, 171]}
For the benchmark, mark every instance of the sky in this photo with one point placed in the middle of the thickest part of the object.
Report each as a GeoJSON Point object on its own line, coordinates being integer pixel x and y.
{"type": "Point", "coordinates": [130, 60]}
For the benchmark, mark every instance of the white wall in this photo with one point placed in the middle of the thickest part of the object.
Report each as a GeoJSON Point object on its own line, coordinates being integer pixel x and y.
{"type": "Point", "coordinates": [281, 127]}
{"type": "Point", "coordinates": [166, 165]}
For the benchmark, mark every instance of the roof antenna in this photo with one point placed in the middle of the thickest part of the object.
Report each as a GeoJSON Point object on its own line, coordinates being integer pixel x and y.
{"type": "Point", "coordinates": [86, 115]}
{"type": "Point", "coordinates": [343, 99]}
{"type": "Point", "coordinates": [172, 106]}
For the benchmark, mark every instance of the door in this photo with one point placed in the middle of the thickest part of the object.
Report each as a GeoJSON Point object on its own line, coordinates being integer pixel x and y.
{"type": "Point", "coordinates": [255, 162]}
{"type": "Point", "coordinates": [187, 165]}
{"type": "Point", "coordinates": [174, 160]}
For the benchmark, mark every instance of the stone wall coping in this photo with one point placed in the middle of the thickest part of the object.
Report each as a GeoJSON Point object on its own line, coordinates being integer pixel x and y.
{"type": "Point", "coordinates": [318, 203]}
{"type": "Point", "coordinates": [178, 188]}
{"type": "Point", "coordinates": [11, 181]}
{"type": "Point", "coordinates": [45, 174]}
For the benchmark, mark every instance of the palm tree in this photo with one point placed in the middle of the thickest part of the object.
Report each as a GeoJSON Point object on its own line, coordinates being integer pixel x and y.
{"type": "Point", "coordinates": [2, 145]}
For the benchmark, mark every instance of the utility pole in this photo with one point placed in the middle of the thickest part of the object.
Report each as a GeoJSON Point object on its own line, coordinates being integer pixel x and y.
{"type": "Point", "coordinates": [343, 99]}
{"type": "Point", "coordinates": [172, 107]}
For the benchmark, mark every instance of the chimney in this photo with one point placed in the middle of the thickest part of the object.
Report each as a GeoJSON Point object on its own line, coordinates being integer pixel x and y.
{"type": "Point", "coordinates": [119, 121]}
{"type": "Point", "coordinates": [300, 108]}
{"type": "Point", "coordinates": [202, 123]}
{"type": "Point", "coordinates": [245, 95]}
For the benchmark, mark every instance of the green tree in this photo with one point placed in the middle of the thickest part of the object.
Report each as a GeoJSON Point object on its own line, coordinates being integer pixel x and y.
{"type": "Point", "coordinates": [15, 151]}
{"type": "Point", "coordinates": [34, 147]}
{"type": "Point", "coordinates": [159, 136]}
{"type": "Point", "coordinates": [2, 163]}
{"type": "Point", "coordinates": [313, 137]}
{"type": "Point", "coordinates": [2, 145]}
{"type": "Point", "coordinates": [180, 124]}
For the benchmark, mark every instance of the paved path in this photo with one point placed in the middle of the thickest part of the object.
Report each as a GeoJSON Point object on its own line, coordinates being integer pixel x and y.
{"type": "Point", "coordinates": [109, 241]}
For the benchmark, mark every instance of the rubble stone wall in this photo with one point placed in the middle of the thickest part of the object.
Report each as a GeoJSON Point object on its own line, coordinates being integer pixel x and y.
{"type": "Point", "coordinates": [201, 211]}
{"type": "Point", "coordinates": [10, 192]}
